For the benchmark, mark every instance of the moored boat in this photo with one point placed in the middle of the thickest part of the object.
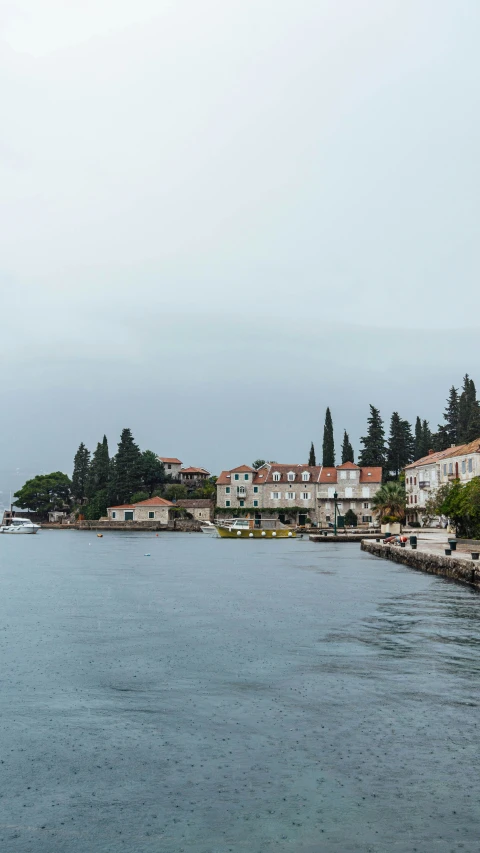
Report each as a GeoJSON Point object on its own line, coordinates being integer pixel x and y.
{"type": "Point", "coordinates": [244, 528]}
{"type": "Point", "coordinates": [19, 525]}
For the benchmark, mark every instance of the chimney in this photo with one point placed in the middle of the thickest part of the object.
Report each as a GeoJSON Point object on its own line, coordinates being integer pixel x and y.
{"type": "Point", "coordinates": [430, 452]}
{"type": "Point", "coordinates": [453, 445]}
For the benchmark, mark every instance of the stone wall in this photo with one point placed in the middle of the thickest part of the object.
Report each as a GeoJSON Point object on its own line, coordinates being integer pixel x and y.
{"type": "Point", "coordinates": [436, 564]}
{"type": "Point", "coordinates": [179, 524]}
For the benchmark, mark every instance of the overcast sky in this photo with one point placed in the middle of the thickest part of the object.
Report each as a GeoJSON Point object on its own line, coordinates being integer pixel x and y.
{"type": "Point", "coordinates": [219, 217]}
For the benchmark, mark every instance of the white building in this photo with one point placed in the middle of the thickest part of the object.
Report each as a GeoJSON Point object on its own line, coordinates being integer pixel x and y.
{"type": "Point", "coordinates": [172, 465]}
{"type": "Point", "coordinates": [423, 477]}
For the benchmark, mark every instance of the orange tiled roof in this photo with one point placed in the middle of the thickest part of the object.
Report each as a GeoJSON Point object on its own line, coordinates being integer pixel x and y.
{"type": "Point", "coordinates": [170, 460]}
{"type": "Point", "coordinates": [457, 450]}
{"type": "Point", "coordinates": [370, 475]}
{"type": "Point", "coordinates": [328, 475]}
{"type": "Point", "coordinates": [194, 471]}
{"type": "Point", "coordinates": [242, 469]}
{"type": "Point", "coordinates": [149, 502]}
{"type": "Point", "coordinates": [347, 465]}
{"type": "Point", "coordinates": [297, 469]}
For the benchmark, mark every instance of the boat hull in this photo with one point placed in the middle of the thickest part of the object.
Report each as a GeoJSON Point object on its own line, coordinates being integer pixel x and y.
{"type": "Point", "coordinates": [20, 530]}
{"type": "Point", "coordinates": [283, 533]}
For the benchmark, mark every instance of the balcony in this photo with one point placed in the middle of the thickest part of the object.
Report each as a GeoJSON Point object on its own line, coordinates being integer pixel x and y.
{"type": "Point", "coordinates": [424, 484]}
{"type": "Point", "coordinates": [241, 492]}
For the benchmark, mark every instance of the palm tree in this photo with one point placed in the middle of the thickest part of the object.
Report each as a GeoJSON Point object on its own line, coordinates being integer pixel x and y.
{"type": "Point", "coordinates": [390, 500]}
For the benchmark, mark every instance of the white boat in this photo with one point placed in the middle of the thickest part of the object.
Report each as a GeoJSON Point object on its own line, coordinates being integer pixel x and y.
{"type": "Point", "coordinates": [208, 527]}
{"type": "Point", "coordinates": [20, 525]}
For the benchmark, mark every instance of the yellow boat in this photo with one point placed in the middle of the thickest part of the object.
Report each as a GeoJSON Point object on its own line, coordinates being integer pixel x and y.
{"type": "Point", "coordinates": [244, 528]}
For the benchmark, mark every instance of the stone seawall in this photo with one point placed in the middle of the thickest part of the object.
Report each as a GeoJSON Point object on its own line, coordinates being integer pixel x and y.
{"type": "Point", "coordinates": [342, 537]}
{"type": "Point", "coordinates": [181, 525]}
{"type": "Point", "coordinates": [423, 561]}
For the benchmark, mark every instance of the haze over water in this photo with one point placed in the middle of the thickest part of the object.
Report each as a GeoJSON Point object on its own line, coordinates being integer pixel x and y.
{"type": "Point", "coordinates": [222, 696]}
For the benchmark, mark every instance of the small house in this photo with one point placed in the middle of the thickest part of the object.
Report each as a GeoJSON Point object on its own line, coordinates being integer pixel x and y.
{"type": "Point", "coordinates": [153, 509]}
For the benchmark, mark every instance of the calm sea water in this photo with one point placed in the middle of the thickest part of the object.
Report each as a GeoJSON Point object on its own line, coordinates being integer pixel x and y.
{"type": "Point", "coordinates": [233, 696]}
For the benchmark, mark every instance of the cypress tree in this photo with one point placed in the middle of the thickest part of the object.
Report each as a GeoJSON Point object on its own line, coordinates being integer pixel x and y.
{"type": "Point", "coordinates": [447, 433]}
{"type": "Point", "coordinates": [426, 438]}
{"type": "Point", "coordinates": [311, 458]}
{"type": "Point", "coordinates": [81, 464]}
{"type": "Point", "coordinates": [328, 442]}
{"type": "Point", "coordinates": [128, 467]}
{"type": "Point", "coordinates": [373, 453]}
{"type": "Point", "coordinates": [347, 449]}
{"type": "Point", "coordinates": [418, 441]}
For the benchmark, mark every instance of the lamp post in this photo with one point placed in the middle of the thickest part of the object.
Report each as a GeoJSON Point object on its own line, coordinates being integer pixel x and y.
{"type": "Point", "coordinates": [335, 496]}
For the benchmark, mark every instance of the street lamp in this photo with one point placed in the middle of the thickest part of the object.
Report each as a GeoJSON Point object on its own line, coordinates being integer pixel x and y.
{"type": "Point", "coordinates": [335, 496]}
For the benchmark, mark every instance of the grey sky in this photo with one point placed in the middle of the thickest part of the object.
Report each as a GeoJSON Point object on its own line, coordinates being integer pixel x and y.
{"type": "Point", "coordinates": [219, 217]}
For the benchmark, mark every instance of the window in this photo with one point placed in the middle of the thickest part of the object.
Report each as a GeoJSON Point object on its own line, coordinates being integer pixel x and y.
{"type": "Point", "coordinates": [366, 492]}
{"type": "Point", "coordinates": [305, 476]}
{"type": "Point", "coordinates": [414, 481]}
{"type": "Point", "coordinates": [305, 496]}
{"type": "Point", "coordinates": [353, 475]}
{"type": "Point", "coordinates": [450, 467]}
{"type": "Point", "coordinates": [255, 503]}
{"type": "Point", "coordinates": [433, 475]}
{"type": "Point", "coordinates": [255, 490]}
{"type": "Point", "coordinates": [169, 465]}
{"type": "Point", "coordinates": [464, 466]}
{"type": "Point", "coordinates": [349, 492]}
{"type": "Point", "coordinates": [241, 490]}
{"type": "Point", "coordinates": [415, 499]}
{"type": "Point", "coordinates": [470, 466]}
{"type": "Point", "coordinates": [290, 476]}
{"type": "Point", "coordinates": [114, 514]}
{"type": "Point", "coordinates": [227, 503]}
{"type": "Point", "coordinates": [366, 518]}
{"type": "Point", "coordinates": [331, 491]}
{"type": "Point", "coordinates": [151, 514]}
{"type": "Point", "coordinates": [129, 515]}
{"type": "Point", "coordinates": [352, 505]}
{"type": "Point", "coordinates": [245, 476]}
{"type": "Point", "coordinates": [327, 505]}
{"type": "Point", "coordinates": [276, 477]}
{"type": "Point", "coordinates": [242, 503]}
{"type": "Point", "coordinates": [366, 505]}
{"type": "Point", "coordinates": [343, 475]}
{"type": "Point", "coordinates": [327, 518]}
{"type": "Point", "coordinates": [445, 468]}
{"type": "Point", "coordinates": [275, 496]}
{"type": "Point", "coordinates": [236, 476]}
{"type": "Point", "coordinates": [227, 490]}
{"type": "Point", "coordinates": [290, 496]}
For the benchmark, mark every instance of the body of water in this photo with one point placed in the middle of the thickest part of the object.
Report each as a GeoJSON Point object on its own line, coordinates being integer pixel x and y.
{"type": "Point", "coordinates": [222, 696]}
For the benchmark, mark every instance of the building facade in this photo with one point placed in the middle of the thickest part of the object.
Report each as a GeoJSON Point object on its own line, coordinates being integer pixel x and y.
{"type": "Point", "coordinates": [423, 477]}
{"type": "Point", "coordinates": [200, 508]}
{"type": "Point", "coordinates": [306, 491]}
{"type": "Point", "coordinates": [193, 476]}
{"type": "Point", "coordinates": [153, 509]}
{"type": "Point", "coordinates": [172, 466]}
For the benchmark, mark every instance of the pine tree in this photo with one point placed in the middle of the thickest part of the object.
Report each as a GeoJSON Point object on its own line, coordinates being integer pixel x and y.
{"type": "Point", "coordinates": [373, 453]}
{"type": "Point", "coordinates": [347, 449]}
{"type": "Point", "coordinates": [468, 415]}
{"type": "Point", "coordinates": [153, 472]}
{"type": "Point", "coordinates": [81, 465]}
{"type": "Point", "coordinates": [311, 458]}
{"type": "Point", "coordinates": [328, 442]}
{"type": "Point", "coordinates": [447, 433]}
{"type": "Point", "coordinates": [99, 469]}
{"type": "Point", "coordinates": [128, 467]}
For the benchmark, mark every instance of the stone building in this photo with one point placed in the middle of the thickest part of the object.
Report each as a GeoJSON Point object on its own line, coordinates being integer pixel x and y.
{"type": "Point", "coordinates": [307, 491]}
{"type": "Point", "coordinates": [200, 508]}
{"type": "Point", "coordinates": [172, 466]}
{"type": "Point", "coordinates": [193, 476]}
{"type": "Point", "coordinates": [424, 476]}
{"type": "Point", "coordinates": [153, 509]}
